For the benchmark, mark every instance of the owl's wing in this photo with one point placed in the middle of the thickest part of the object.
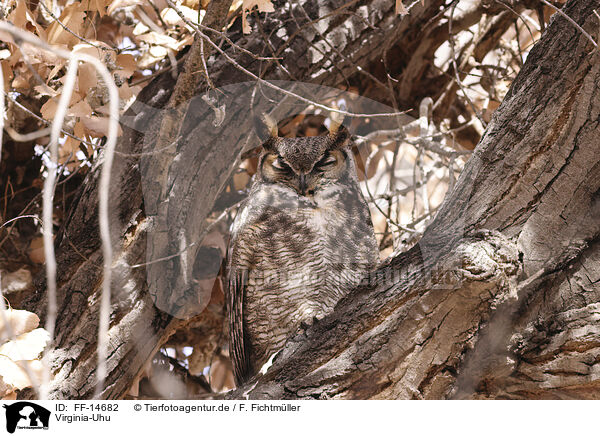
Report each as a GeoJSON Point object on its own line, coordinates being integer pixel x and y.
{"type": "Point", "coordinates": [239, 347]}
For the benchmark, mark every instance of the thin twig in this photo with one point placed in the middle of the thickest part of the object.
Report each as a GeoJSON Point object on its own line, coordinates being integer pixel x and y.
{"type": "Point", "coordinates": [19, 137]}
{"type": "Point", "coordinates": [191, 244]}
{"type": "Point", "coordinates": [372, 198]}
{"type": "Point", "coordinates": [47, 122]}
{"type": "Point", "coordinates": [524, 19]}
{"type": "Point", "coordinates": [157, 12]}
{"type": "Point", "coordinates": [455, 67]}
{"type": "Point", "coordinates": [107, 253]}
{"type": "Point", "coordinates": [48, 209]}
{"type": "Point", "coordinates": [269, 84]}
{"type": "Point", "coordinates": [73, 33]}
{"type": "Point", "coordinates": [572, 21]}
{"type": "Point", "coordinates": [424, 113]}
{"type": "Point", "coordinates": [83, 141]}
{"type": "Point", "coordinates": [35, 217]}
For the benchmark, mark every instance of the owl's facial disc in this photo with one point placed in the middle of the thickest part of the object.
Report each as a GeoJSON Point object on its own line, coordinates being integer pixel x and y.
{"type": "Point", "coordinates": [329, 167]}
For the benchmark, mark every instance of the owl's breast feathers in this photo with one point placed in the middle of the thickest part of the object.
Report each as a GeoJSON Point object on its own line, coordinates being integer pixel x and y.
{"type": "Point", "coordinates": [299, 256]}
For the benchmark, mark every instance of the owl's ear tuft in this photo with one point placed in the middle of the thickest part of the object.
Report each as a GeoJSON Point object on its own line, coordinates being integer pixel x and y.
{"type": "Point", "coordinates": [266, 129]}
{"type": "Point", "coordinates": [338, 134]}
{"type": "Point", "coordinates": [337, 119]}
{"type": "Point", "coordinates": [339, 139]}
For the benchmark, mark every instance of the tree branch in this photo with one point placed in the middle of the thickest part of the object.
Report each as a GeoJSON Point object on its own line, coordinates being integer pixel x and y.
{"type": "Point", "coordinates": [523, 305]}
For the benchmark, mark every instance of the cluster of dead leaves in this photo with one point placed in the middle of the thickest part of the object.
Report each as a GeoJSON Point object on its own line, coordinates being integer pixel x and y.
{"type": "Point", "coordinates": [132, 38]}
{"type": "Point", "coordinates": [21, 347]}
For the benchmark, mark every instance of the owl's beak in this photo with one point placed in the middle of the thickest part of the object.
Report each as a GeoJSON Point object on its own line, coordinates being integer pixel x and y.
{"type": "Point", "coordinates": [303, 185]}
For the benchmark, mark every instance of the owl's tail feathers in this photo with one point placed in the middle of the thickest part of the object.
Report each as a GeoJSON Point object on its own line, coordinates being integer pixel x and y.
{"type": "Point", "coordinates": [239, 345]}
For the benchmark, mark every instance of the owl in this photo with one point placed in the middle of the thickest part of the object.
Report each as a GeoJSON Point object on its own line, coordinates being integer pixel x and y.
{"type": "Point", "coordinates": [301, 240]}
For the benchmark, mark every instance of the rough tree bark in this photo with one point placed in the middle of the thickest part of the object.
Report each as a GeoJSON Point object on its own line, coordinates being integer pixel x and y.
{"type": "Point", "coordinates": [500, 298]}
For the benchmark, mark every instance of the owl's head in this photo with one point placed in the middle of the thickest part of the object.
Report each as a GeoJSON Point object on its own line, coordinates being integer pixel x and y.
{"type": "Point", "coordinates": [308, 164]}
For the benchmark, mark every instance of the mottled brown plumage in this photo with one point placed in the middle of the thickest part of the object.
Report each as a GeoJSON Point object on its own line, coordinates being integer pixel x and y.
{"type": "Point", "coordinates": [300, 242]}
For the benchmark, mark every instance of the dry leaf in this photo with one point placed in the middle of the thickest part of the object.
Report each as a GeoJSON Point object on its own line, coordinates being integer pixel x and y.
{"type": "Point", "coordinates": [116, 4]}
{"type": "Point", "coordinates": [97, 6]}
{"type": "Point", "coordinates": [80, 109]}
{"type": "Point", "coordinates": [158, 52]}
{"type": "Point", "coordinates": [221, 374]}
{"type": "Point", "coordinates": [68, 152]}
{"type": "Point", "coordinates": [86, 78]}
{"type": "Point", "coordinates": [72, 17]}
{"type": "Point", "coordinates": [492, 105]}
{"type": "Point", "coordinates": [400, 9]}
{"type": "Point", "coordinates": [40, 56]}
{"type": "Point", "coordinates": [94, 51]}
{"type": "Point", "coordinates": [160, 39]}
{"type": "Point", "coordinates": [108, 30]}
{"type": "Point", "coordinates": [45, 90]}
{"type": "Point", "coordinates": [6, 37]}
{"type": "Point", "coordinates": [20, 321]}
{"type": "Point", "coordinates": [41, 32]}
{"type": "Point", "coordinates": [127, 66]}
{"type": "Point", "coordinates": [172, 18]}
{"type": "Point", "coordinates": [125, 92]}
{"type": "Point", "coordinates": [57, 67]}
{"type": "Point", "coordinates": [15, 57]}
{"type": "Point", "coordinates": [240, 180]}
{"type": "Point", "coordinates": [22, 81]}
{"type": "Point", "coordinates": [140, 28]}
{"type": "Point", "coordinates": [36, 249]}
{"type": "Point", "coordinates": [7, 72]}
{"type": "Point", "coordinates": [79, 130]}
{"type": "Point", "coordinates": [262, 5]}
{"type": "Point", "coordinates": [27, 346]}
{"type": "Point", "coordinates": [19, 14]}
{"type": "Point", "coordinates": [48, 109]}
{"type": "Point", "coordinates": [14, 376]}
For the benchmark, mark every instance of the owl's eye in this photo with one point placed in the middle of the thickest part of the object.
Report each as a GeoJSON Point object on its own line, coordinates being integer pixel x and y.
{"type": "Point", "coordinates": [279, 164]}
{"type": "Point", "coordinates": [327, 161]}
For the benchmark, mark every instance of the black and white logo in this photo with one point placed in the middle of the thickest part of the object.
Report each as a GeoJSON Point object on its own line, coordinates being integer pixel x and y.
{"type": "Point", "coordinates": [26, 415]}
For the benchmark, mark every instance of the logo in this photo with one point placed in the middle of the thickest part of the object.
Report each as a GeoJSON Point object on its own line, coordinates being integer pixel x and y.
{"type": "Point", "coordinates": [26, 415]}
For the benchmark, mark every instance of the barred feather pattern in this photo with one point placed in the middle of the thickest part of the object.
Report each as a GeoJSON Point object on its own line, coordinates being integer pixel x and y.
{"type": "Point", "coordinates": [298, 256]}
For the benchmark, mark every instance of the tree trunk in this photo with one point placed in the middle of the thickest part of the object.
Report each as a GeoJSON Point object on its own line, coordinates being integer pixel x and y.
{"type": "Point", "coordinates": [501, 297]}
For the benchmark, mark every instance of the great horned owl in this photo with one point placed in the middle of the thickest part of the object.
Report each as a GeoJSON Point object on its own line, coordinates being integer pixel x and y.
{"type": "Point", "coordinates": [300, 242]}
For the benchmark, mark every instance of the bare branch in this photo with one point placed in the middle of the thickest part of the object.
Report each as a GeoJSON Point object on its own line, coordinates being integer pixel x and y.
{"type": "Point", "coordinates": [572, 21]}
